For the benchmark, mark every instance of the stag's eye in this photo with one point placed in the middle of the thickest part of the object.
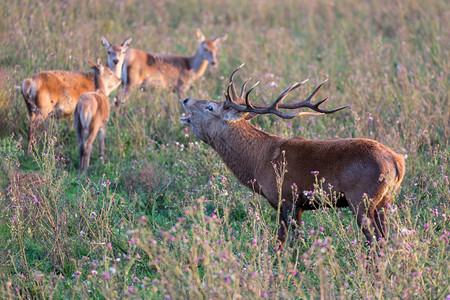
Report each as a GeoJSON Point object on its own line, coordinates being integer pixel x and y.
{"type": "Point", "coordinates": [209, 107]}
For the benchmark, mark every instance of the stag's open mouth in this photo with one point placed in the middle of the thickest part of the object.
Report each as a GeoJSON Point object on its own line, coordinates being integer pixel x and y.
{"type": "Point", "coordinates": [186, 120]}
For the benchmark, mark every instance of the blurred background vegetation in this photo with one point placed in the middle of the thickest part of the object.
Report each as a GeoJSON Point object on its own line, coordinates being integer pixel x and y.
{"type": "Point", "coordinates": [163, 217]}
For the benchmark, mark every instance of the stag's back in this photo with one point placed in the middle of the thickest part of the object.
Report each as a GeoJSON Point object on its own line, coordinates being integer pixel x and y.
{"type": "Point", "coordinates": [358, 161]}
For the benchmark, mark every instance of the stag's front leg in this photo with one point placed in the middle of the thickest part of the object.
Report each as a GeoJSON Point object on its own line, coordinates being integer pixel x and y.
{"type": "Point", "coordinates": [283, 225]}
{"type": "Point", "coordinates": [298, 215]}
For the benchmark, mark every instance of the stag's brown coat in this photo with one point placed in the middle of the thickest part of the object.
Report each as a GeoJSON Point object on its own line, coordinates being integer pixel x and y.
{"type": "Point", "coordinates": [363, 172]}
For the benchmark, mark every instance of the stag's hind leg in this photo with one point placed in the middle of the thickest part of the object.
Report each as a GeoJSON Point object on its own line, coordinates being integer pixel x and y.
{"type": "Point", "coordinates": [380, 215]}
{"type": "Point", "coordinates": [365, 213]}
{"type": "Point", "coordinates": [379, 221]}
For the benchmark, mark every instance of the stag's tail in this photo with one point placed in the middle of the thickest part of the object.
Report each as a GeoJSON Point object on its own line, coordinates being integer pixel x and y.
{"type": "Point", "coordinates": [399, 163]}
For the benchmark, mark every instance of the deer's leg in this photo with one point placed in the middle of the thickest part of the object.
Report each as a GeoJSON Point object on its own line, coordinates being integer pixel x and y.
{"type": "Point", "coordinates": [298, 215]}
{"type": "Point", "coordinates": [380, 216]}
{"type": "Point", "coordinates": [31, 132]}
{"type": "Point", "coordinates": [36, 120]}
{"type": "Point", "coordinates": [88, 148]}
{"type": "Point", "coordinates": [101, 142]}
{"type": "Point", "coordinates": [79, 131]}
{"type": "Point", "coordinates": [365, 216]}
{"type": "Point", "coordinates": [131, 83]}
{"type": "Point", "coordinates": [379, 220]}
{"type": "Point", "coordinates": [283, 225]}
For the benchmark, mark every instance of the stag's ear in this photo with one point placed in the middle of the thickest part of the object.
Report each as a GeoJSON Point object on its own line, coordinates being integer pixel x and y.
{"type": "Point", "coordinates": [105, 43]}
{"type": "Point", "coordinates": [250, 116]}
{"type": "Point", "coordinates": [232, 115]}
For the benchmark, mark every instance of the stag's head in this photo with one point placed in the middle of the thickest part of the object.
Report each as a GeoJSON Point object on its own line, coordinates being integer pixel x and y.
{"type": "Point", "coordinates": [116, 53]}
{"type": "Point", "coordinates": [207, 119]}
{"type": "Point", "coordinates": [209, 47]}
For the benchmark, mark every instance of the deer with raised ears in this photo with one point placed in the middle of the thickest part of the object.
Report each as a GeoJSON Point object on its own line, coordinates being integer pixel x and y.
{"type": "Point", "coordinates": [92, 113]}
{"type": "Point", "coordinates": [116, 54]}
{"type": "Point", "coordinates": [170, 72]}
{"type": "Point", "coordinates": [364, 173]}
{"type": "Point", "coordinates": [56, 93]}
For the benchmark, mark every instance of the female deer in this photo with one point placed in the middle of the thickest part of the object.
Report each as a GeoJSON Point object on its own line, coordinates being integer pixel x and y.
{"type": "Point", "coordinates": [171, 72]}
{"type": "Point", "coordinates": [92, 113]}
{"type": "Point", "coordinates": [57, 92]}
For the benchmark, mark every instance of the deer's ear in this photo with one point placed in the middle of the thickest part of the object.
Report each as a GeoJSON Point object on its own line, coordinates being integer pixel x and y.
{"type": "Point", "coordinates": [105, 43]}
{"type": "Point", "coordinates": [218, 40]}
{"type": "Point", "coordinates": [126, 43]}
{"type": "Point", "coordinates": [232, 115]}
{"type": "Point", "coordinates": [99, 64]}
{"type": "Point", "coordinates": [91, 64]}
{"type": "Point", "coordinates": [200, 35]}
{"type": "Point", "coordinates": [250, 116]}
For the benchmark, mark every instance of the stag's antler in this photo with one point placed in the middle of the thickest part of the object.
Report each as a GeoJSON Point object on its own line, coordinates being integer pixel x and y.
{"type": "Point", "coordinates": [234, 100]}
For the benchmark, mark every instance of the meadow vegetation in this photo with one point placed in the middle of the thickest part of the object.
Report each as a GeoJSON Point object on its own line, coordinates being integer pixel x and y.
{"type": "Point", "coordinates": [163, 217]}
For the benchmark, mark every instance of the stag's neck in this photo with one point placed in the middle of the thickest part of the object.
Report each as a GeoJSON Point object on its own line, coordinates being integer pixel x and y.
{"type": "Point", "coordinates": [244, 149]}
{"type": "Point", "coordinates": [197, 65]}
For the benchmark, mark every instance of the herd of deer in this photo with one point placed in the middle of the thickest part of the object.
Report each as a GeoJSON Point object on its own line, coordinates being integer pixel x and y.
{"type": "Point", "coordinates": [364, 173]}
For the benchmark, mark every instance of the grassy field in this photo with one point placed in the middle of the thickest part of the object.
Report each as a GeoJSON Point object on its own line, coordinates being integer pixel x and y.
{"type": "Point", "coordinates": [163, 217]}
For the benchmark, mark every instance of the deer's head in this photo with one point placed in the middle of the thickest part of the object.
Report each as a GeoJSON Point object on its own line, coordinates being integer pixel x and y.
{"type": "Point", "coordinates": [209, 47]}
{"type": "Point", "coordinates": [105, 79]}
{"type": "Point", "coordinates": [116, 53]}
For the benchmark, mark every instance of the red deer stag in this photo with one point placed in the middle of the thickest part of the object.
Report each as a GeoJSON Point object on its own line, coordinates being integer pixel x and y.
{"type": "Point", "coordinates": [92, 113]}
{"type": "Point", "coordinates": [55, 93]}
{"type": "Point", "coordinates": [363, 172]}
{"type": "Point", "coordinates": [172, 72]}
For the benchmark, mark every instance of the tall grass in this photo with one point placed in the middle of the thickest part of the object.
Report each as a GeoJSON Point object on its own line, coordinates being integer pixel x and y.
{"type": "Point", "coordinates": [163, 217]}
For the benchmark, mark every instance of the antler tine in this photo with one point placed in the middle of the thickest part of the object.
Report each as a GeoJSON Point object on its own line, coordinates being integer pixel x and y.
{"type": "Point", "coordinates": [243, 87]}
{"type": "Point", "coordinates": [231, 85]}
{"type": "Point", "coordinates": [307, 102]}
{"type": "Point", "coordinates": [313, 94]}
{"type": "Point", "coordinates": [285, 93]}
{"type": "Point", "coordinates": [247, 100]}
{"type": "Point", "coordinates": [274, 107]}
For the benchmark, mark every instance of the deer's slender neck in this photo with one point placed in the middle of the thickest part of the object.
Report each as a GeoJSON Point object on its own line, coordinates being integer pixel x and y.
{"type": "Point", "coordinates": [117, 69]}
{"type": "Point", "coordinates": [100, 86]}
{"type": "Point", "coordinates": [244, 149]}
{"type": "Point", "coordinates": [197, 64]}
